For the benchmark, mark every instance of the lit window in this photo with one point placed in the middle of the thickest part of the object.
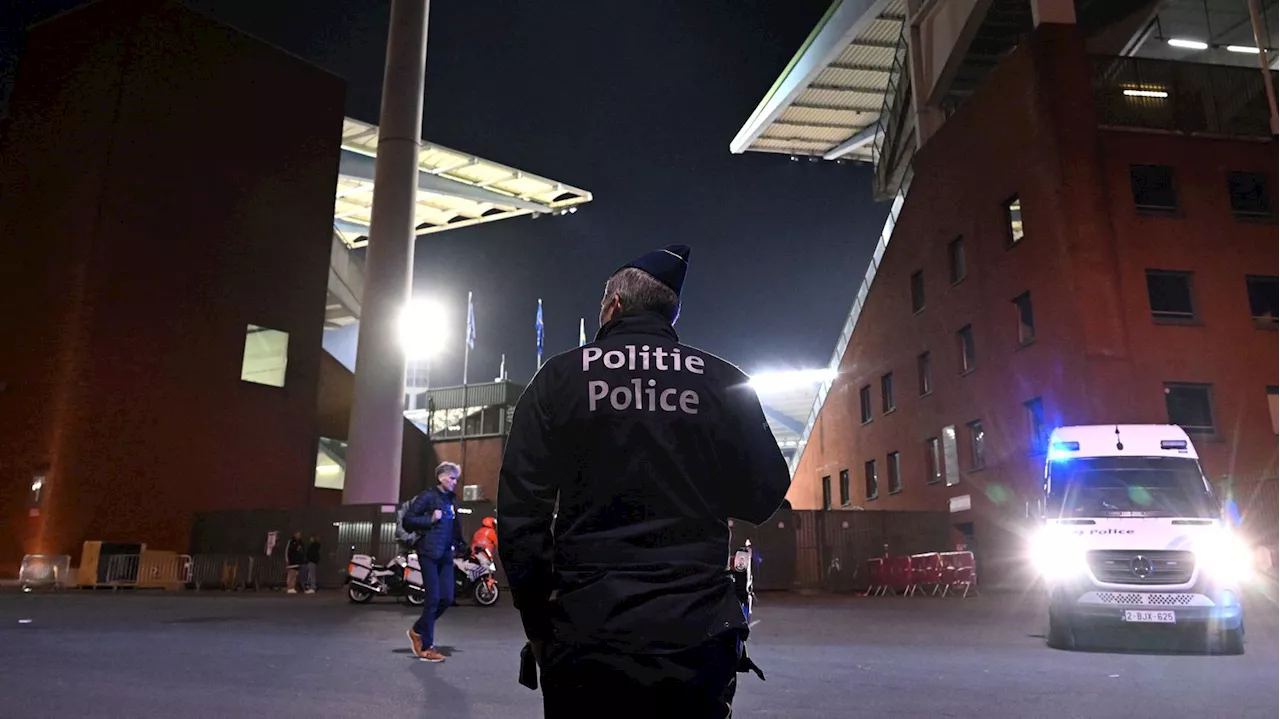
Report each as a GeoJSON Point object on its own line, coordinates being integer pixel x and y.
{"type": "Point", "coordinates": [1026, 319]}
{"type": "Point", "coordinates": [932, 461]}
{"type": "Point", "coordinates": [1013, 221]}
{"type": "Point", "coordinates": [331, 458]}
{"type": "Point", "coordinates": [1190, 406]}
{"type": "Point", "coordinates": [266, 356]}
{"type": "Point", "coordinates": [977, 445]}
{"type": "Point", "coordinates": [873, 483]}
{"type": "Point", "coordinates": [895, 473]}
{"type": "Point", "coordinates": [1170, 296]}
{"type": "Point", "coordinates": [951, 455]}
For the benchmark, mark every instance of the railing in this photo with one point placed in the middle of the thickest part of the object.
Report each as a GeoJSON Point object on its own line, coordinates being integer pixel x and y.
{"type": "Point", "coordinates": [892, 123]}
{"type": "Point", "coordinates": [1182, 97]}
{"type": "Point", "coordinates": [160, 570]}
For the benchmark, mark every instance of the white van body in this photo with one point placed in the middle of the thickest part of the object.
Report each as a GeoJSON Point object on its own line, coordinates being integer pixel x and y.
{"type": "Point", "coordinates": [1134, 538]}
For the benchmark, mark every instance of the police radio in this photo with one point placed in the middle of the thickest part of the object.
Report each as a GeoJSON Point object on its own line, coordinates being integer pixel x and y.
{"type": "Point", "coordinates": [745, 591]}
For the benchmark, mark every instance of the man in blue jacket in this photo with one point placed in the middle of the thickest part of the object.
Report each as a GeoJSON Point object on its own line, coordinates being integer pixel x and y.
{"type": "Point", "coordinates": [433, 515]}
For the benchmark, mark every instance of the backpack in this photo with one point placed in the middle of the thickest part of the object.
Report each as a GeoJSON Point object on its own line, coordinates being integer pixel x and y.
{"type": "Point", "coordinates": [403, 535]}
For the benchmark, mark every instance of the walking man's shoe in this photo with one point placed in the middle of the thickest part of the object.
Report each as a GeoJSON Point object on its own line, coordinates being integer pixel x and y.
{"type": "Point", "coordinates": [416, 641]}
{"type": "Point", "coordinates": [431, 655]}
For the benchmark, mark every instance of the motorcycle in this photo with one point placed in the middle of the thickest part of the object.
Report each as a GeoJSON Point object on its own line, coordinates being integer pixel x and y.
{"type": "Point", "coordinates": [474, 577]}
{"type": "Point", "coordinates": [366, 579]}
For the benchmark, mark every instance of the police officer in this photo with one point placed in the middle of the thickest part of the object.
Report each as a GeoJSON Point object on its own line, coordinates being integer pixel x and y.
{"type": "Point", "coordinates": [648, 446]}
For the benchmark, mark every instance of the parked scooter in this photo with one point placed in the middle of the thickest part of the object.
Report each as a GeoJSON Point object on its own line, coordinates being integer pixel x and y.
{"type": "Point", "coordinates": [474, 577]}
{"type": "Point", "coordinates": [367, 580]}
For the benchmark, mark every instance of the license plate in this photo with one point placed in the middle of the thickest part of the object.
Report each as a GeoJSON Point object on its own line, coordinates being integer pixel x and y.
{"type": "Point", "coordinates": [1147, 616]}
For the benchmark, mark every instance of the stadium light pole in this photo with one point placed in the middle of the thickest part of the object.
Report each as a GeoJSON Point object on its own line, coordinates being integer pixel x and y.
{"type": "Point", "coordinates": [377, 413]}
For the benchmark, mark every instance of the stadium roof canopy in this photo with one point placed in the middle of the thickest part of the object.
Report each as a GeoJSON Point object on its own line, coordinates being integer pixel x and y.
{"type": "Point", "coordinates": [828, 100]}
{"type": "Point", "coordinates": [455, 189]}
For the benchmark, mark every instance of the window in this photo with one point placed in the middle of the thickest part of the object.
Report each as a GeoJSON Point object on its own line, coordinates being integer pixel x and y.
{"type": "Point", "coordinates": [864, 396]}
{"type": "Point", "coordinates": [1153, 188]}
{"type": "Point", "coordinates": [917, 291]}
{"type": "Point", "coordinates": [873, 487]}
{"type": "Point", "coordinates": [826, 492]}
{"type": "Point", "coordinates": [266, 356]}
{"type": "Point", "coordinates": [1036, 426]}
{"type": "Point", "coordinates": [886, 393]}
{"type": "Point", "coordinates": [331, 464]}
{"type": "Point", "coordinates": [951, 455]}
{"type": "Point", "coordinates": [955, 254]}
{"type": "Point", "coordinates": [924, 373]}
{"type": "Point", "coordinates": [964, 338]}
{"type": "Point", "coordinates": [846, 493]}
{"type": "Point", "coordinates": [895, 473]}
{"type": "Point", "coordinates": [1249, 194]}
{"type": "Point", "coordinates": [1013, 221]}
{"type": "Point", "coordinates": [1190, 406]}
{"type": "Point", "coordinates": [1264, 301]}
{"type": "Point", "coordinates": [932, 461]}
{"type": "Point", "coordinates": [977, 445]}
{"type": "Point", "coordinates": [1169, 293]}
{"type": "Point", "coordinates": [1272, 398]}
{"type": "Point", "coordinates": [1026, 319]}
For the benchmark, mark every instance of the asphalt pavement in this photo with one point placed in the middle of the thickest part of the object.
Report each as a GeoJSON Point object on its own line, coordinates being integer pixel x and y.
{"type": "Point", "coordinates": [136, 655]}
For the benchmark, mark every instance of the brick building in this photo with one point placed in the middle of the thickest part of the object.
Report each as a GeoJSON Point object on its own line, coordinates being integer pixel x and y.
{"type": "Point", "coordinates": [1082, 239]}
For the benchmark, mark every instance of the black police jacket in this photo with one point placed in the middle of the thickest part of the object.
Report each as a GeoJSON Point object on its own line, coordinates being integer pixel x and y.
{"type": "Point", "coordinates": [649, 447]}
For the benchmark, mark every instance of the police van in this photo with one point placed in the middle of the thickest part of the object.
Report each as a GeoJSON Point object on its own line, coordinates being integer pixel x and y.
{"type": "Point", "coordinates": [1133, 538]}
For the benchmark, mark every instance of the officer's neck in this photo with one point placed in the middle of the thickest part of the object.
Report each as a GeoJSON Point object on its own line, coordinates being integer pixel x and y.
{"type": "Point", "coordinates": [638, 322]}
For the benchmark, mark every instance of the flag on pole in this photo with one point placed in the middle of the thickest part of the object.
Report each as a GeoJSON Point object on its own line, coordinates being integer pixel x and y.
{"type": "Point", "coordinates": [582, 331]}
{"type": "Point", "coordinates": [538, 325]}
{"type": "Point", "coordinates": [471, 323]}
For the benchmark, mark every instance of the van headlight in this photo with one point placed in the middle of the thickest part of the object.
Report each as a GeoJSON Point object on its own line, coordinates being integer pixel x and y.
{"type": "Point", "coordinates": [1057, 554]}
{"type": "Point", "coordinates": [1224, 557]}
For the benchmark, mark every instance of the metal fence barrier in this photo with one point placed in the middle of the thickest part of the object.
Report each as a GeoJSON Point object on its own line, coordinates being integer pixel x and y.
{"type": "Point", "coordinates": [159, 570]}
{"type": "Point", "coordinates": [44, 570]}
{"type": "Point", "coordinates": [221, 571]}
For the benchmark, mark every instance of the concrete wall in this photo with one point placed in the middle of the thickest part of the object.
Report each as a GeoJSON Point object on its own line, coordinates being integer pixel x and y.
{"type": "Point", "coordinates": [1031, 130]}
{"type": "Point", "coordinates": [167, 181]}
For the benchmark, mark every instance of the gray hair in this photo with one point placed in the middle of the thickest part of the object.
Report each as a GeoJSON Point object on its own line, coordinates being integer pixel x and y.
{"type": "Point", "coordinates": [447, 467]}
{"type": "Point", "coordinates": [639, 291]}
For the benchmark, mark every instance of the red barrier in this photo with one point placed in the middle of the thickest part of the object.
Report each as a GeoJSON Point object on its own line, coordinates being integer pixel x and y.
{"type": "Point", "coordinates": [898, 574]}
{"type": "Point", "coordinates": [959, 570]}
{"type": "Point", "coordinates": [876, 581]}
{"type": "Point", "coordinates": [926, 572]}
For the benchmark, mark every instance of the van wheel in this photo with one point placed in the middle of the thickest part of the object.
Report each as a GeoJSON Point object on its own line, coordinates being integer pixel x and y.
{"type": "Point", "coordinates": [1060, 635]}
{"type": "Point", "coordinates": [1231, 641]}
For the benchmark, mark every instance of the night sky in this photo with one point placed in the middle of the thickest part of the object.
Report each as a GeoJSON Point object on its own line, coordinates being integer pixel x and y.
{"type": "Point", "coordinates": [635, 102]}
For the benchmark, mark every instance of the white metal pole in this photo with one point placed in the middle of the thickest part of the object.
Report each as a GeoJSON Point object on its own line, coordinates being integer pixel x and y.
{"type": "Point", "coordinates": [1259, 41]}
{"type": "Point", "coordinates": [377, 414]}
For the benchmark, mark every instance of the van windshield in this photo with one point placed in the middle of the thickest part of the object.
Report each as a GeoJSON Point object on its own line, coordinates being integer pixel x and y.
{"type": "Point", "coordinates": [1129, 487]}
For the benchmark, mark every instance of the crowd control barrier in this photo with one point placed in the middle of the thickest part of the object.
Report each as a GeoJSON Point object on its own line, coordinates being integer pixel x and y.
{"type": "Point", "coordinates": [148, 570]}
{"type": "Point", "coordinates": [934, 573]}
{"type": "Point", "coordinates": [44, 570]}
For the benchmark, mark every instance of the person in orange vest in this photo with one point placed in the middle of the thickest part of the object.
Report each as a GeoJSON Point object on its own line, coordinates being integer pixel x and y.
{"type": "Point", "coordinates": [486, 536]}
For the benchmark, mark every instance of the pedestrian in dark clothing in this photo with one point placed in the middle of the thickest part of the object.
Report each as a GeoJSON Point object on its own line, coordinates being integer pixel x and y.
{"type": "Point", "coordinates": [311, 567]}
{"type": "Point", "coordinates": [295, 555]}
{"type": "Point", "coordinates": [433, 514]}
{"type": "Point", "coordinates": [648, 447]}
